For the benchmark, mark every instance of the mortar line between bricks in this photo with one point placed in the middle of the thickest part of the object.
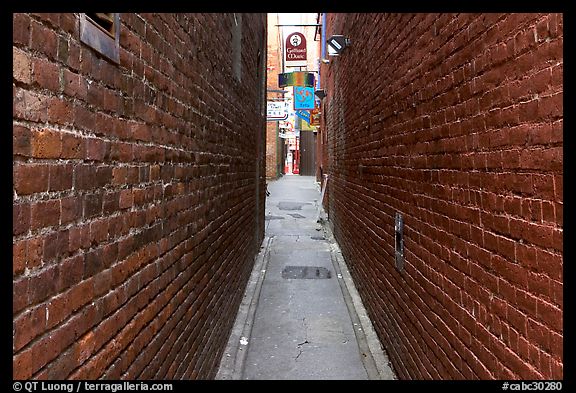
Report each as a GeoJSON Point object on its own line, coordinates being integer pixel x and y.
{"type": "Point", "coordinates": [80, 132]}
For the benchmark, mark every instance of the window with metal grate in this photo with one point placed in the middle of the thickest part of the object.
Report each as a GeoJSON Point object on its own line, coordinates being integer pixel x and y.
{"type": "Point", "coordinates": [104, 22]}
{"type": "Point", "coordinates": [101, 31]}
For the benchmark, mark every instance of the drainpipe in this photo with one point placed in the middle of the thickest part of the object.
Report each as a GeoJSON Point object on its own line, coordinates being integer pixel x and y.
{"type": "Point", "coordinates": [323, 35]}
{"type": "Point", "coordinates": [325, 175]}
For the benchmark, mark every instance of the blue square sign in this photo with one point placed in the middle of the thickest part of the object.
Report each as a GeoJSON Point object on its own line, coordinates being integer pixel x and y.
{"type": "Point", "coordinates": [303, 98]}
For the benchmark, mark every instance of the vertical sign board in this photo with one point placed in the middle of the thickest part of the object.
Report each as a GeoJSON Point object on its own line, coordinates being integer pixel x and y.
{"type": "Point", "coordinates": [295, 50]}
{"type": "Point", "coordinates": [303, 98]}
{"type": "Point", "coordinates": [315, 117]}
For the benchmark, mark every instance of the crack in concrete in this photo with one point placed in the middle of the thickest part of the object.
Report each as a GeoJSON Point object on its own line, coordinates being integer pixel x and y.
{"type": "Point", "coordinates": [300, 350]}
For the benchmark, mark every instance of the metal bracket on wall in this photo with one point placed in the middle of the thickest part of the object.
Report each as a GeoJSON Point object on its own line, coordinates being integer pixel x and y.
{"type": "Point", "coordinates": [399, 241]}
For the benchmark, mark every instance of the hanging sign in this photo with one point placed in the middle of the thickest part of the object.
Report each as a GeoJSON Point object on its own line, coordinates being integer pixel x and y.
{"type": "Point", "coordinates": [304, 115]}
{"type": "Point", "coordinates": [295, 50]}
{"type": "Point", "coordinates": [336, 44]}
{"type": "Point", "coordinates": [296, 78]}
{"type": "Point", "coordinates": [287, 124]}
{"type": "Point", "coordinates": [303, 98]}
{"type": "Point", "coordinates": [276, 110]}
{"type": "Point", "coordinates": [284, 134]}
{"type": "Point", "coordinates": [315, 117]}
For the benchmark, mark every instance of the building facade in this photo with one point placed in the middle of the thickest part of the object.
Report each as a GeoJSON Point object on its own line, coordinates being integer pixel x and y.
{"type": "Point", "coordinates": [284, 149]}
{"type": "Point", "coordinates": [274, 150]}
{"type": "Point", "coordinates": [139, 180]}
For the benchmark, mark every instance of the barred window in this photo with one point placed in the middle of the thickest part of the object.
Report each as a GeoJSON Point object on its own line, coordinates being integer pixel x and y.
{"type": "Point", "coordinates": [101, 31]}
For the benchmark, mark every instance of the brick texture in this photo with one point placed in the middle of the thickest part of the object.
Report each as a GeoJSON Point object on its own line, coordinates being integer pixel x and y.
{"type": "Point", "coordinates": [455, 121]}
{"type": "Point", "coordinates": [138, 194]}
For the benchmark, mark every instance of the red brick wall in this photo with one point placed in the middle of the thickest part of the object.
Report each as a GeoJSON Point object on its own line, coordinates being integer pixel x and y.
{"type": "Point", "coordinates": [271, 150]}
{"type": "Point", "coordinates": [134, 185]}
{"type": "Point", "coordinates": [455, 121]}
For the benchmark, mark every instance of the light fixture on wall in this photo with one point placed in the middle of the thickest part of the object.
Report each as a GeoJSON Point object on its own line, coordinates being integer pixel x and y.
{"type": "Point", "coordinates": [320, 93]}
{"type": "Point", "coordinates": [336, 44]}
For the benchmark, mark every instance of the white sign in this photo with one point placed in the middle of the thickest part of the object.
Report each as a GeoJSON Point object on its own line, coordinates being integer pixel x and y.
{"type": "Point", "coordinates": [276, 110]}
{"type": "Point", "coordinates": [287, 124]}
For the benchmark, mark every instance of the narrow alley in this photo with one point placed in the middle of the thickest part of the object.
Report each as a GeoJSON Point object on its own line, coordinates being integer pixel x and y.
{"type": "Point", "coordinates": [302, 312]}
{"type": "Point", "coordinates": [287, 196]}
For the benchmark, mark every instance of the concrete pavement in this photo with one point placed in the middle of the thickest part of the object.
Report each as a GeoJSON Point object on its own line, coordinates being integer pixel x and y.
{"type": "Point", "coordinates": [301, 317]}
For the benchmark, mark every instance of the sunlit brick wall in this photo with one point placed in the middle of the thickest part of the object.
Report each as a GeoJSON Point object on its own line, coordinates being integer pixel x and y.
{"type": "Point", "coordinates": [138, 194]}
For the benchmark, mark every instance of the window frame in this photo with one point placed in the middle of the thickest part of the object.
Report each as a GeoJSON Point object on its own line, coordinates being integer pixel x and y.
{"type": "Point", "coordinates": [102, 41]}
{"type": "Point", "coordinates": [237, 46]}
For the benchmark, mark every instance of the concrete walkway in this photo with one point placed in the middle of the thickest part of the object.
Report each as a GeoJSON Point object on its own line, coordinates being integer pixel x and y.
{"type": "Point", "coordinates": [301, 317]}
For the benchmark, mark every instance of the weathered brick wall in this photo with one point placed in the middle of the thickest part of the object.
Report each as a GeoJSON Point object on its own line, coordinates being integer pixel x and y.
{"type": "Point", "coordinates": [455, 121]}
{"type": "Point", "coordinates": [138, 194]}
